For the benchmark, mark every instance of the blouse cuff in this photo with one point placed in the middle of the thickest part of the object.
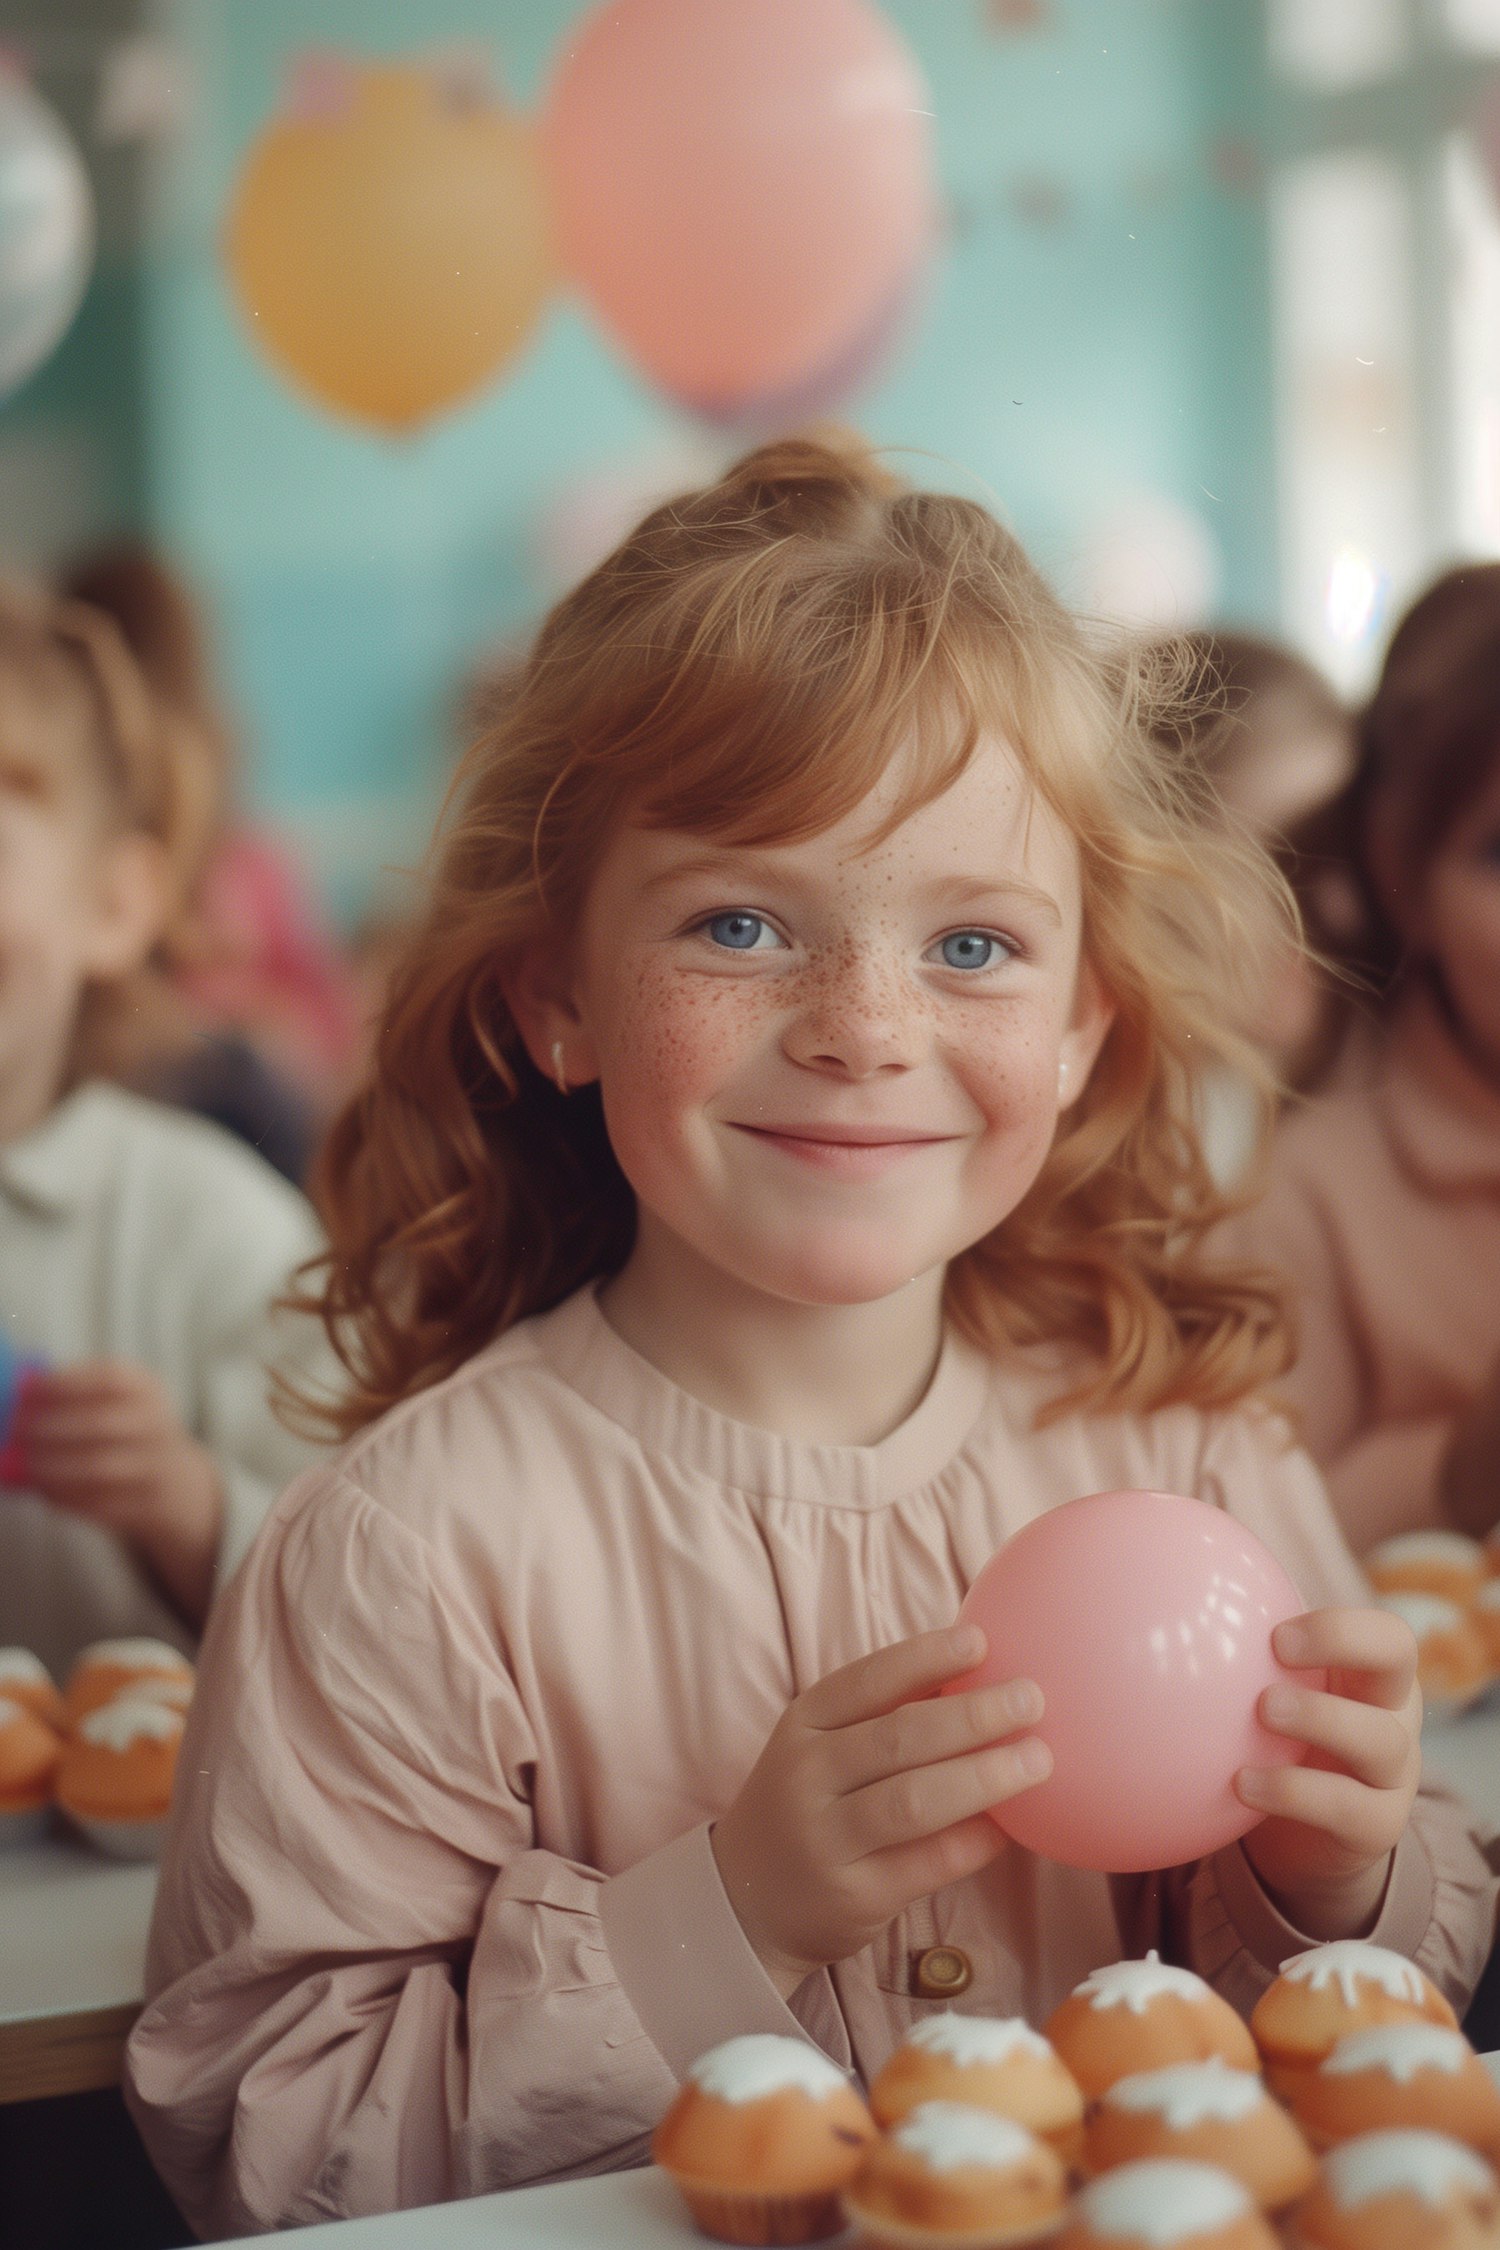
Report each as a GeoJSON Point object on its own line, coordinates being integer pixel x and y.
{"type": "Point", "coordinates": [1403, 1921]}
{"type": "Point", "coordinates": [683, 1960]}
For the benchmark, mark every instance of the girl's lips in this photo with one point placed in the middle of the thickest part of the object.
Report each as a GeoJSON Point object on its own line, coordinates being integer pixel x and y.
{"type": "Point", "coordinates": [852, 1159]}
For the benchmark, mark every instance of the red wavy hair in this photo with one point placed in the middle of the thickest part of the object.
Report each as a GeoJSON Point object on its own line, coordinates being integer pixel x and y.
{"type": "Point", "coordinates": [743, 667]}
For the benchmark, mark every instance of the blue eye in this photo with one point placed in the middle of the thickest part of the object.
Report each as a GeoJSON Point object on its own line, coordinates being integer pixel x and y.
{"type": "Point", "coordinates": [968, 939]}
{"type": "Point", "coordinates": [742, 926]}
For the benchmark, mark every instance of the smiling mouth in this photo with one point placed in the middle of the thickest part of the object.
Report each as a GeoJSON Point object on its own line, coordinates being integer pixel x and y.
{"type": "Point", "coordinates": [839, 1140]}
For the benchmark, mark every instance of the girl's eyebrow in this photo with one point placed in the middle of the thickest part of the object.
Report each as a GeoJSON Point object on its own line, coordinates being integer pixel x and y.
{"type": "Point", "coordinates": [756, 867]}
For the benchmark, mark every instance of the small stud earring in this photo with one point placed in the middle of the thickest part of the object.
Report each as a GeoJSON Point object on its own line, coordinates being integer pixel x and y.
{"type": "Point", "coordinates": [557, 1066]}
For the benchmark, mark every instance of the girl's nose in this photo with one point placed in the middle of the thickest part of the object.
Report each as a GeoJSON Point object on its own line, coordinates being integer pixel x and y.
{"type": "Point", "coordinates": [858, 1018]}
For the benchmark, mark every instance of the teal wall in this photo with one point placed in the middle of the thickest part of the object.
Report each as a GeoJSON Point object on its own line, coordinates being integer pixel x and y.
{"type": "Point", "coordinates": [1096, 327]}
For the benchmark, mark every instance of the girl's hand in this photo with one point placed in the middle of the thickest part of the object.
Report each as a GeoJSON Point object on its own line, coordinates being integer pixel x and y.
{"type": "Point", "coordinates": [871, 1792]}
{"type": "Point", "coordinates": [1324, 1852]}
{"type": "Point", "coordinates": [103, 1441]}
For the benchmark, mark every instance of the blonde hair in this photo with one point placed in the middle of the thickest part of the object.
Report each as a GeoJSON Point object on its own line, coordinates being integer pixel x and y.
{"type": "Point", "coordinates": [143, 774]}
{"type": "Point", "coordinates": [743, 666]}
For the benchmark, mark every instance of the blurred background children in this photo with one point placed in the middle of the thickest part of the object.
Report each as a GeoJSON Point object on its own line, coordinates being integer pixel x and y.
{"type": "Point", "coordinates": [140, 1249]}
{"type": "Point", "coordinates": [1266, 741]}
{"type": "Point", "coordinates": [268, 1014]}
{"type": "Point", "coordinates": [1383, 1205]}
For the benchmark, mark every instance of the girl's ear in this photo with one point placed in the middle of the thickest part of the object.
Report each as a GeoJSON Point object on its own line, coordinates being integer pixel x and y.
{"type": "Point", "coordinates": [538, 991]}
{"type": "Point", "coordinates": [1088, 1028]}
{"type": "Point", "coordinates": [132, 898]}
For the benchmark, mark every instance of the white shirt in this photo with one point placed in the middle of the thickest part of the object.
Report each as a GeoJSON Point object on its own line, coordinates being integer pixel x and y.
{"type": "Point", "coordinates": [131, 1231]}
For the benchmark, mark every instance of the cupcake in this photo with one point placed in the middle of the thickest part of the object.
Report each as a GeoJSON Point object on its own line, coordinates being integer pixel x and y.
{"type": "Point", "coordinates": [1401, 2074]}
{"type": "Point", "coordinates": [986, 2062]}
{"type": "Point", "coordinates": [24, 1679]}
{"type": "Point", "coordinates": [115, 1779]}
{"type": "Point", "coordinates": [109, 1668]}
{"type": "Point", "coordinates": [1167, 2203]}
{"type": "Point", "coordinates": [954, 2178]}
{"type": "Point", "coordinates": [763, 2136]}
{"type": "Point", "coordinates": [1402, 2191]}
{"type": "Point", "coordinates": [1209, 2114]}
{"type": "Point", "coordinates": [1453, 1664]}
{"type": "Point", "coordinates": [1326, 1993]}
{"type": "Point", "coordinates": [29, 1752]}
{"type": "Point", "coordinates": [1446, 1563]}
{"type": "Point", "coordinates": [1142, 2015]}
{"type": "Point", "coordinates": [1486, 1615]}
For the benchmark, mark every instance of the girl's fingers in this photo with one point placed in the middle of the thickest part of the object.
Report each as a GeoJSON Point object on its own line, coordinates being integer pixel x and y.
{"type": "Point", "coordinates": [1355, 1816]}
{"type": "Point", "coordinates": [906, 1808]}
{"type": "Point", "coordinates": [1375, 1745]}
{"type": "Point", "coordinates": [922, 1733]}
{"type": "Point", "coordinates": [1374, 1644]}
{"type": "Point", "coordinates": [898, 1674]}
{"type": "Point", "coordinates": [908, 1871]}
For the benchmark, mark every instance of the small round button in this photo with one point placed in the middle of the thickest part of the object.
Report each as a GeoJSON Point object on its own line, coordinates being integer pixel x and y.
{"type": "Point", "coordinates": [940, 1972]}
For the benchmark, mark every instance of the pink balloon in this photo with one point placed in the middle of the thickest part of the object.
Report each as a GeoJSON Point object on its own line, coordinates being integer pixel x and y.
{"type": "Point", "coordinates": [1146, 1621]}
{"type": "Point", "coordinates": [852, 370]}
{"type": "Point", "coordinates": [740, 187]}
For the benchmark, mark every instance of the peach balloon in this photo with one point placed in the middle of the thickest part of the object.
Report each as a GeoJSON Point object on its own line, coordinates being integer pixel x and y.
{"type": "Point", "coordinates": [741, 188]}
{"type": "Point", "coordinates": [387, 239]}
{"type": "Point", "coordinates": [1146, 1621]}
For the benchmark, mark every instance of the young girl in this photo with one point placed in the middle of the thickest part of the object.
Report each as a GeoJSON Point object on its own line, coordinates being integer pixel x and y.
{"type": "Point", "coordinates": [1383, 1206]}
{"type": "Point", "coordinates": [772, 1191]}
{"type": "Point", "coordinates": [139, 1250]}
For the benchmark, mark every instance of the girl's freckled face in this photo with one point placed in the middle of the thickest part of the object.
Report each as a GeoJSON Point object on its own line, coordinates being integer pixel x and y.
{"type": "Point", "coordinates": [927, 989]}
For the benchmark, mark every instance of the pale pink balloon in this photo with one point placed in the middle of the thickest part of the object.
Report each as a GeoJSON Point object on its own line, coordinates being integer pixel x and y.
{"type": "Point", "coordinates": [739, 186]}
{"type": "Point", "coordinates": [1146, 1621]}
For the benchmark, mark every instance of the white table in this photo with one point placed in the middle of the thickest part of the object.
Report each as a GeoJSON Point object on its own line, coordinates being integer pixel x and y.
{"type": "Point", "coordinates": [72, 1961]}
{"type": "Point", "coordinates": [626, 2210]}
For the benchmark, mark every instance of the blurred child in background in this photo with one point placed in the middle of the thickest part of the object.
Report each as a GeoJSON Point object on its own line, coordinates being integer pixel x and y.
{"type": "Point", "coordinates": [267, 1019]}
{"type": "Point", "coordinates": [1383, 1205]}
{"type": "Point", "coordinates": [1270, 742]}
{"type": "Point", "coordinates": [139, 1249]}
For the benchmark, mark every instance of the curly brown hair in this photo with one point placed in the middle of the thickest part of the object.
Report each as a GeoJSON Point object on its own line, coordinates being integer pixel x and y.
{"type": "Point", "coordinates": [743, 667]}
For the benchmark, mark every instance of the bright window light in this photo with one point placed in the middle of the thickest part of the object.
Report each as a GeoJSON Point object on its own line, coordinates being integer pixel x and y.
{"type": "Point", "coordinates": [1331, 44]}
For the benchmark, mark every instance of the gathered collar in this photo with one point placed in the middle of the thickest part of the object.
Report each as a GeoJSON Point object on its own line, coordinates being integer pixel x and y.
{"type": "Point", "coordinates": [60, 1165]}
{"type": "Point", "coordinates": [576, 1339]}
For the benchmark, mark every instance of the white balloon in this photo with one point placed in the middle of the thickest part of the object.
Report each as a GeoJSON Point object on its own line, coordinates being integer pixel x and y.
{"type": "Point", "coordinates": [46, 231]}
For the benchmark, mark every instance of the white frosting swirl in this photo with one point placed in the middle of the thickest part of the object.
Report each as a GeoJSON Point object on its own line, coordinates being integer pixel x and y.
{"type": "Point", "coordinates": [1135, 1984]}
{"type": "Point", "coordinates": [949, 2135]}
{"type": "Point", "coordinates": [133, 1652]}
{"type": "Point", "coordinates": [1426, 1614]}
{"type": "Point", "coordinates": [1454, 1549]}
{"type": "Point", "coordinates": [1163, 2199]}
{"type": "Point", "coordinates": [128, 1719]}
{"type": "Point", "coordinates": [1400, 2050]}
{"type": "Point", "coordinates": [1426, 2165]}
{"type": "Point", "coordinates": [20, 1664]}
{"type": "Point", "coordinates": [1185, 2094]}
{"type": "Point", "coordinates": [760, 2063]}
{"type": "Point", "coordinates": [1488, 1596]}
{"type": "Point", "coordinates": [976, 2039]}
{"type": "Point", "coordinates": [1350, 1962]}
{"type": "Point", "coordinates": [10, 1711]}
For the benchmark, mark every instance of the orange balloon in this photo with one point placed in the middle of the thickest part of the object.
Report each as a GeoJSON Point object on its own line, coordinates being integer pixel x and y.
{"type": "Point", "coordinates": [741, 188]}
{"type": "Point", "coordinates": [389, 244]}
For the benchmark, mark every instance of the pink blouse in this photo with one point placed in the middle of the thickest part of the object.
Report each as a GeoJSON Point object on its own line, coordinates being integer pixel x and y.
{"type": "Point", "coordinates": [439, 1912]}
{"type": "Point", "coordinates": [1383, 1210]}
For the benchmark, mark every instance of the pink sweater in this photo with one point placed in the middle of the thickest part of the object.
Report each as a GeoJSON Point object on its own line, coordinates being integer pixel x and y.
{"type": "Point", "coordinates": [439, 1913]}
{"type": "Point", "coordinates": [1383, 1209]}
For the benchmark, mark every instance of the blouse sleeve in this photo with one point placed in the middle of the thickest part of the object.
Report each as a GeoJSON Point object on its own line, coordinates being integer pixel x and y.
{"type": "Point", "coordinates": [368, 1988]}
{"type": "Point", "coordinates": [1214, 1915]}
